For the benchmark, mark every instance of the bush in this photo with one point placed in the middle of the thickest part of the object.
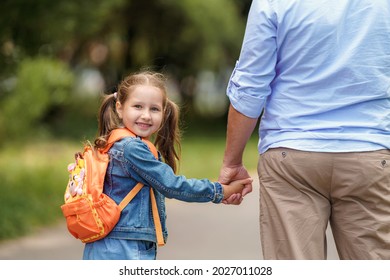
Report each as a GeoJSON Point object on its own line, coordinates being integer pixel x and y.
{"type": "Point", "coordinates": [42, 85]}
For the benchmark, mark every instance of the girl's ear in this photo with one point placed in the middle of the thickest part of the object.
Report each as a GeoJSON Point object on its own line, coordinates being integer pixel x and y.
{"type": "Point", "coordinates": [119, 109]}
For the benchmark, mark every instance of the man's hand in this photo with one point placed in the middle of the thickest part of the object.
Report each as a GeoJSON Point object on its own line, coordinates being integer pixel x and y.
{"type": "Point", "coordinates": [229, 174]}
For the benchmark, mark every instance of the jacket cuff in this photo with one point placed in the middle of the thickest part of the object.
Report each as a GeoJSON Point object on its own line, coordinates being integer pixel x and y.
{"type": "Point", "coordinates": [218, 197]}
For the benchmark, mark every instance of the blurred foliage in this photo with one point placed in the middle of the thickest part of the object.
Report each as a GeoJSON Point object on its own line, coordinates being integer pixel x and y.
{"type": "Point", "coordinates": [181, 38]}
{"type": "Point", "coordinates": [58, 57]}
{"type": "Point", "coordinates": [34, 178]}
{"type": "Point", "coordinates": [41, 86]}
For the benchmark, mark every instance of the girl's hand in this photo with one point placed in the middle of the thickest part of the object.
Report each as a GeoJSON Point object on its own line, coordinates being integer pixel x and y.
{"type": "Point", "coordinates": [230, 173]}
{"type": "Point", "coordinates": [233, 190]}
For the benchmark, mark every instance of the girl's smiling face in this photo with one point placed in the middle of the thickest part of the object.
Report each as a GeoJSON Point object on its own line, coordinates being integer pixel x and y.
{"type": "Point", "coordinates": [142, 112]}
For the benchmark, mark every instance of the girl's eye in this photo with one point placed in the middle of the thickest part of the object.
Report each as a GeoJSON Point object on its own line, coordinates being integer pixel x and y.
{"type": "Point", "coordinates": [155, 109]}
{"type": "Point", "coordinates": [137, 106]}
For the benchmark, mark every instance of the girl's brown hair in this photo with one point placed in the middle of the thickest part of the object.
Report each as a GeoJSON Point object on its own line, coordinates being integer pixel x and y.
{"type": "Point", "coordinates": [167, 138]}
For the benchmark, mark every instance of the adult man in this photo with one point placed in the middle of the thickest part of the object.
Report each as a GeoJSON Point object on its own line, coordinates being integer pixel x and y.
{"type": "Point", "coordinates": [319, 73]}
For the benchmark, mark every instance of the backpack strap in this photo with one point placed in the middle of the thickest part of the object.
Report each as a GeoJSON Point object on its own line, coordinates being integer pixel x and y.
{"type": "Point", "coordinates": [116, 135]}
{"type": "Point", "coordinates": [120, 133]}
{"type": "Point", "coordinates": [130, 196]}
{"type": "Point", "coordinates": [156, 219]}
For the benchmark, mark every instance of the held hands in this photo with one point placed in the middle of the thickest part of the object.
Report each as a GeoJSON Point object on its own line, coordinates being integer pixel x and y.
{"type": "Point", "coordinates": [235, 188]}
{"type": "Point", "coordinates": [230, 173]}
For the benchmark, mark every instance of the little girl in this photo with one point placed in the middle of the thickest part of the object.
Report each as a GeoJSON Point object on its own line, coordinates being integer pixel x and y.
{"type": "Point", "coordinates": [142, 106]}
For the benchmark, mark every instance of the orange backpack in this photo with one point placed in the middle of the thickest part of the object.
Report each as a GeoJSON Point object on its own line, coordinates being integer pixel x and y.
{"type": "Point", "coordinates": [90, 214]}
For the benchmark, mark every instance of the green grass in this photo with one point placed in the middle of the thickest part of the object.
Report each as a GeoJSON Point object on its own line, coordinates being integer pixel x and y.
{"type": "Point", "coordinates": [202, 156]}
{"type": "Point", "coordinates": [34, 177]}
{"type": "Point", "coordinates": [32, 184]}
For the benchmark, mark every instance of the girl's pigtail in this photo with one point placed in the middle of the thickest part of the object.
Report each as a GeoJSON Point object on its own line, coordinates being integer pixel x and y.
{"type": "Point", "coordinates": [168, 137]}
{"type": "Point", "coordinates": [108, 120]}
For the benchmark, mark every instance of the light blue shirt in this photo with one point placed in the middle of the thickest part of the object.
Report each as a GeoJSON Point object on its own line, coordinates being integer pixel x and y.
{"type": "Point", "coordinates": [321, 72]}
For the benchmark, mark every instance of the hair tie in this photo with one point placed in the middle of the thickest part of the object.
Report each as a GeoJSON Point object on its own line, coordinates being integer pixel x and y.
{"type": "Point", "coordinates": [115, 95]}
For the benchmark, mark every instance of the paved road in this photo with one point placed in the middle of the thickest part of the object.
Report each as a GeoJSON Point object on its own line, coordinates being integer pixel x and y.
{"type": "Point", "coordinates": [196, 232]}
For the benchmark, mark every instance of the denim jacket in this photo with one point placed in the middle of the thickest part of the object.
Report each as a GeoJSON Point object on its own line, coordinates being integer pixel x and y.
{"type": "Point", "coordinates": [131, 162]}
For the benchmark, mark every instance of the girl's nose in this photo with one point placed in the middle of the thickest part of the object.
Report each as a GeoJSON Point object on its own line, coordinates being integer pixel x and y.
{"type": "Point", "coordinates": [146, 114]}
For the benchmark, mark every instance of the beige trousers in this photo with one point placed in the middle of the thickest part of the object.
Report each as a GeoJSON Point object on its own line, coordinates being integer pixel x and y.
{"type": "Point", "coordinates": [300, 192]}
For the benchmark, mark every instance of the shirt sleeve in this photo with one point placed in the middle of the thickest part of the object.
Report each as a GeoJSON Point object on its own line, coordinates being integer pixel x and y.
{"type": "Point", "coordinates": [250, 83]}
{"type": "Point", "coordinates": [144, 167]}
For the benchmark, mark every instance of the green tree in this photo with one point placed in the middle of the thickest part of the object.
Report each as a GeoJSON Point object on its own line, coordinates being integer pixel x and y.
{"type": "Point", "coordinates": [41, 85]}
{"type": "Point", "coordinates": [179, 37]}
{"type": "Point", "coordinates": [182, 36]}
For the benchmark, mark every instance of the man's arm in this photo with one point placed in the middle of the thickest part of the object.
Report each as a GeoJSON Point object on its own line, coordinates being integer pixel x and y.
{"type": "Point", "coordinates": [239, 130]}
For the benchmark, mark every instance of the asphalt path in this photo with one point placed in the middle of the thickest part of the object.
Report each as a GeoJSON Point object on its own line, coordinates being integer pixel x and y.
{"type": "Point", "coordinates": [204, 231]}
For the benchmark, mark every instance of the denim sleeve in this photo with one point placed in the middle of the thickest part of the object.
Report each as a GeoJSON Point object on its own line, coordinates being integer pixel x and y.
{"type": "Point", "coordinates": [144, 167]}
